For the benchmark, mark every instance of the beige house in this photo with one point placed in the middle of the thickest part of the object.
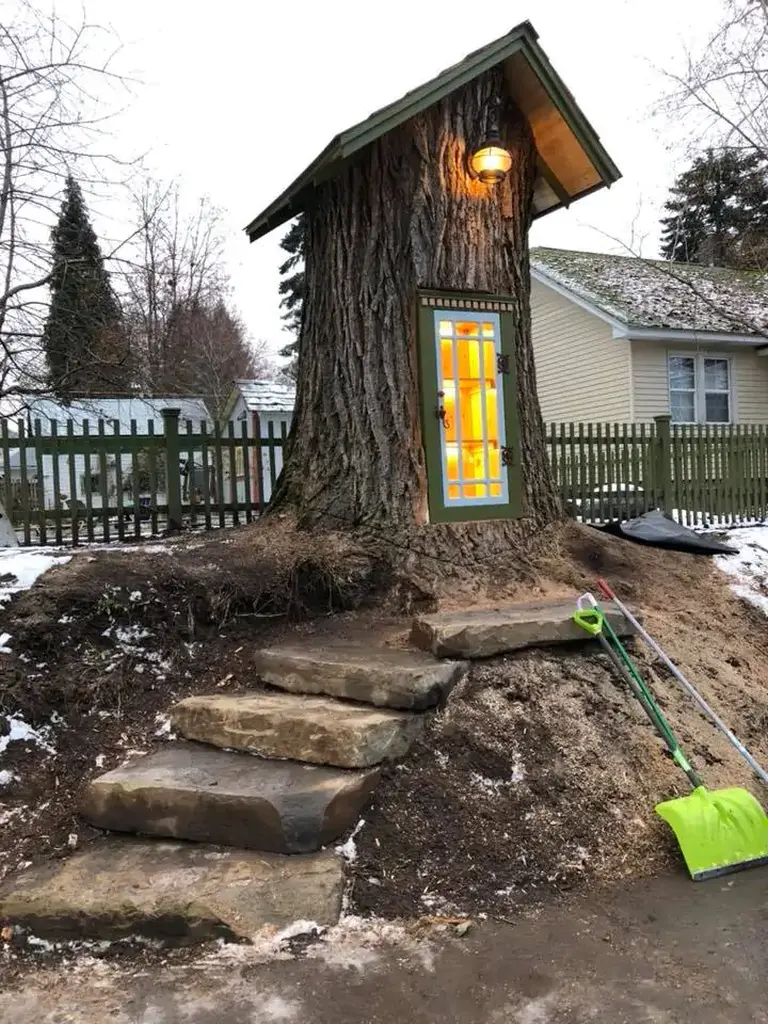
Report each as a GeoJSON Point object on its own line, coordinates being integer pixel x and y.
{"type": "Point", "coordinates": [622, 339]}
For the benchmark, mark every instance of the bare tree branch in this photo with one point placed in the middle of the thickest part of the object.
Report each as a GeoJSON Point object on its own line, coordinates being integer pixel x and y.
{"type": "Point", "coordinates": [56, 81]}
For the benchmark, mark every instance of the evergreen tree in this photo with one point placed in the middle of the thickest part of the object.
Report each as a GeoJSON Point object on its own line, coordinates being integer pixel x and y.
{"type": "Point", "coordinates": [717, 213]}
{"type": "Point", "coordinates": [84, 342]}
{"type": "Point", "coordinates": [291, 288]}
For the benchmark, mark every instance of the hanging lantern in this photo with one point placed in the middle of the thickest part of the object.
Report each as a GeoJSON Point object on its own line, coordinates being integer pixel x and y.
{"type": "Point", "coordinates": [491, 161]}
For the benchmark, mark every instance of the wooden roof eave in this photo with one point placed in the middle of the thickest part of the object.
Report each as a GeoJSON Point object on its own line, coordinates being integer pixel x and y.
{"type": "Point", "coordinates": [343, 147]}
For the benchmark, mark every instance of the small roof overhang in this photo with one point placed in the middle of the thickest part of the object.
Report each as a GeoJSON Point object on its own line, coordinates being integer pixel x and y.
{"type": "Point", "coordinates": [572, 160]}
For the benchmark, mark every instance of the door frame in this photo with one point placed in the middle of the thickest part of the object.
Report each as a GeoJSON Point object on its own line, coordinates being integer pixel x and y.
{"type": "Point", "coordinates": [429, 302]}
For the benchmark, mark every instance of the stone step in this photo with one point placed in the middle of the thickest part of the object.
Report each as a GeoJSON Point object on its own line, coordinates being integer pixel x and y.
{"type": "Point", "coordinates": [191, 791]}
{"type": "Point", "coordinates": [484, 633]}
{"type": "Point", "coordinates": [320, 730]}
{"type": "Point", "coordinates": [179, 892]}
{"type": "Point", "coordinates": [382, 676]}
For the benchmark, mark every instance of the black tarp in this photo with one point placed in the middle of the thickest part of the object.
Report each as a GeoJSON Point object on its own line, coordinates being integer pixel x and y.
{"type": "Point", "coordinates": [655, 529]}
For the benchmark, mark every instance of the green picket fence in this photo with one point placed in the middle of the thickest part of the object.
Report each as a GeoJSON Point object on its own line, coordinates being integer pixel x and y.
{"type": "Point", "coordinates": [67, 483]}
{"type": "Point", "coordinates": [701, 474]}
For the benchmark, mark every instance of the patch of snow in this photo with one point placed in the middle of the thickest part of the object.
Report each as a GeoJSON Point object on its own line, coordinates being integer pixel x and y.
{"type": "Point", "coordinates": [348, 849]}
{"type": "Point", "coordinates": [748, 568]}
{"type": "Point", "coordinates": [163, 724]}
{"type": "Point", "coordinates": [41, 945]}
{"type": "Point", "coordinates": [10, 814]}
{"type": "Point", "coordinates": [495, 786]}
{"type": "Point", "coordinates": [534, 1011]}
{"type": "Point", "coordinates": [126, 636]}
{"type": "Point", "coordinates": [6, 777]}
{"type": "Point", "coordinates": [297, 928]}
{"type": "Point", "coordinates": [354, 943]}
{"type": "Point", "coordinates": [22, 732]}
{"type": "Point", "coordinates": [134, 596]}
{"type": "Point", "coordinates": [4, 640]}
{"type": "Point", "coordinates": [26, 565]}
{"type": "Point", "coordinates": [100, 758]}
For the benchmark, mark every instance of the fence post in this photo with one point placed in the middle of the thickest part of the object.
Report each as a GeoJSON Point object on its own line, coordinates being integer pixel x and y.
{"type": "Point", "coordinates": [172, 467]}
{"type": "Point", "coordinates": [664, 462]}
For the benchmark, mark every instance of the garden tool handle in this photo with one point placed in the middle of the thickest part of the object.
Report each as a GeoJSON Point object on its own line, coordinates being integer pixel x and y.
{"type": "Point", "coordinates": [711, 714]}
{"type": "Point", "coordinates": [605, 589]}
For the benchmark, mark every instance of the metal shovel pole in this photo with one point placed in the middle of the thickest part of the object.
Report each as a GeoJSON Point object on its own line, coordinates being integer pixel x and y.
{"type": "Point", "coordinates": [605, 589]}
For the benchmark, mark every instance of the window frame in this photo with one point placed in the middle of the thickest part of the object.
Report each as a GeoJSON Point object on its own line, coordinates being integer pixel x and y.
{"type": "Point", "coordinates": [700, 390]}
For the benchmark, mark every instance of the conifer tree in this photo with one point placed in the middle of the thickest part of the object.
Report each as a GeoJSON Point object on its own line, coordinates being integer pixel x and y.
{"type": "Point", "coordinates": [292, 288]}
{"type": "Point", "coordinates": [83, 339]}
{"type": "Point", "coordinates": [717, 213]}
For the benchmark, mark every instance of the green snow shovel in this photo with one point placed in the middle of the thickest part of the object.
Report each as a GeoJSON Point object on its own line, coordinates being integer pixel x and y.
{"type": "Point", "coordinates": [719, 831]}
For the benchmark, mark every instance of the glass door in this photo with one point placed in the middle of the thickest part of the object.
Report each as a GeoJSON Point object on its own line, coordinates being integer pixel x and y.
{"type": "Point", "coordinates": [471, 408]}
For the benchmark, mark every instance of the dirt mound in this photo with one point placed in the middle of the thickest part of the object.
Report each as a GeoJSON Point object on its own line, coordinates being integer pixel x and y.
{"type": "Point", "coordinates": [538, 775]}
{"type": "Point", "coordinates": [541, 773]}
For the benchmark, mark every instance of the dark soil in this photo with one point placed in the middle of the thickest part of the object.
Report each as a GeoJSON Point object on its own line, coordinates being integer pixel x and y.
{"type": "Point", "coordinates": [541, 774]}
{"type": "Point", "coordinates": [510, 797]}
{"type": "Point", "coordinates": [105, 644]}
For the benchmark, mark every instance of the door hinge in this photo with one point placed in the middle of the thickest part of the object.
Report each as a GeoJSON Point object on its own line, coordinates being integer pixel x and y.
{"type": "Point", "coordinates": [502, 362]}
{"type": "Point", "coordinates": [507, 456]}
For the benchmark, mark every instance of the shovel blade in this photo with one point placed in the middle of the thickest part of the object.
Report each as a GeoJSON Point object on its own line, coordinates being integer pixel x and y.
{"type": "Point", "coordinates": [719, 831]}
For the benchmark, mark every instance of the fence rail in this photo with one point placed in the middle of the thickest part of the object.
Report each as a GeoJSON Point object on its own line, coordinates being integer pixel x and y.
{"type": "Point", "coordinates": [700, 474]}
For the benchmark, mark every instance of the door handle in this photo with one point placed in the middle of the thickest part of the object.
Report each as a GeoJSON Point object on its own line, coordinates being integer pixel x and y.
{"type": "Point", "coordinates": [440, 410]}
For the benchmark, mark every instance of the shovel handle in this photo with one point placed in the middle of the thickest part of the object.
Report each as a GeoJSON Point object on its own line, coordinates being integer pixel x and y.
{"type": "Point", "coordinates": [605, 589]}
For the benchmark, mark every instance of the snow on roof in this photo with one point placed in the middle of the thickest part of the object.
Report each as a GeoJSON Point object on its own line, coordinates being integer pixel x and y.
{"type": "Point", "coordinates": [123, 409]}
{"type": "Point", "coordinates": [267, 395]}
{"type": "Point", "coordinates": [658, 294]}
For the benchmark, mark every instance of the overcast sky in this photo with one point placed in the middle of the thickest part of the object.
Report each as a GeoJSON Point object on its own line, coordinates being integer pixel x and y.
{"type": "Point", "coordinates": [236, 98]}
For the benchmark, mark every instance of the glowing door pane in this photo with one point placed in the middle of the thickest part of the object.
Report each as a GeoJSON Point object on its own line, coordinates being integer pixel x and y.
{"type": "Point", "coordinates": [472, 408]}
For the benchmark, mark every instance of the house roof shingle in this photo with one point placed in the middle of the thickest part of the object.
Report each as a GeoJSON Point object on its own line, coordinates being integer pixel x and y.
{"type": "Point", "coordinates": [267, 395]}
{"type": "Point", "coordinates": [651, 294]}
{"type": "Point", "coordinates": [123, 409]}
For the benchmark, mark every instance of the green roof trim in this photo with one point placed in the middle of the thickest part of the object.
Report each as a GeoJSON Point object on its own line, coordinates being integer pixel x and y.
{"type": "Point", "coordinates": [522, 39]}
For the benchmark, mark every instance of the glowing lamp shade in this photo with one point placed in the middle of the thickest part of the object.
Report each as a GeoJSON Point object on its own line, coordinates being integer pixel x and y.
{"type": "Point", "coordinates": [491, 162]}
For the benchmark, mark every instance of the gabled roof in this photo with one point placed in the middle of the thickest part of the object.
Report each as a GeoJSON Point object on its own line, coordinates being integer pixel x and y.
{"type": "Point", "coordinates": [654, 294]}
{"type": "Point", "coordinates": [267, 395]}
{"type": "Point", "coordinates": [123, 409]}
{"type": "Point", "coordinates": [573, 161]}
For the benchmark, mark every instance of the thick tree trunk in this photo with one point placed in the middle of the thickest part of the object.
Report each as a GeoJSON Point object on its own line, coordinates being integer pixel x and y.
{"type": "Point", "coordinates": [406, 216]}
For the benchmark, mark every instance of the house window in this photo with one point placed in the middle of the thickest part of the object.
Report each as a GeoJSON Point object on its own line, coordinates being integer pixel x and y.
{"type": "Point", "coordinates": [717, 391]}
{"type": "Point", "coordinates": [700, 389]}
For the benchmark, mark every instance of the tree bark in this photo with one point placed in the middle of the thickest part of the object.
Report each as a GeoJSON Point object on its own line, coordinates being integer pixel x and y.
{"type": "Point", "coordinates": [406, 216]}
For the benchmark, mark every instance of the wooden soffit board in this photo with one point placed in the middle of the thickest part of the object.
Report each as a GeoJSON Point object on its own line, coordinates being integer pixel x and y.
{"type": "Point", "coordinates": [556, 142]}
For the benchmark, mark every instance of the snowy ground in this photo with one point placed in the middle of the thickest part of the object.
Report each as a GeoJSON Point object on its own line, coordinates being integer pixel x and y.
{"type": "Point", "coordinates": [20, 567]}
{"type": "Point", "coordinates": [749, 568]}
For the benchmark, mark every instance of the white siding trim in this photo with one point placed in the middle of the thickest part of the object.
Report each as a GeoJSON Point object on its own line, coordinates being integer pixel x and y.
{"type": "Point", "coordinates": [702, 337]}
